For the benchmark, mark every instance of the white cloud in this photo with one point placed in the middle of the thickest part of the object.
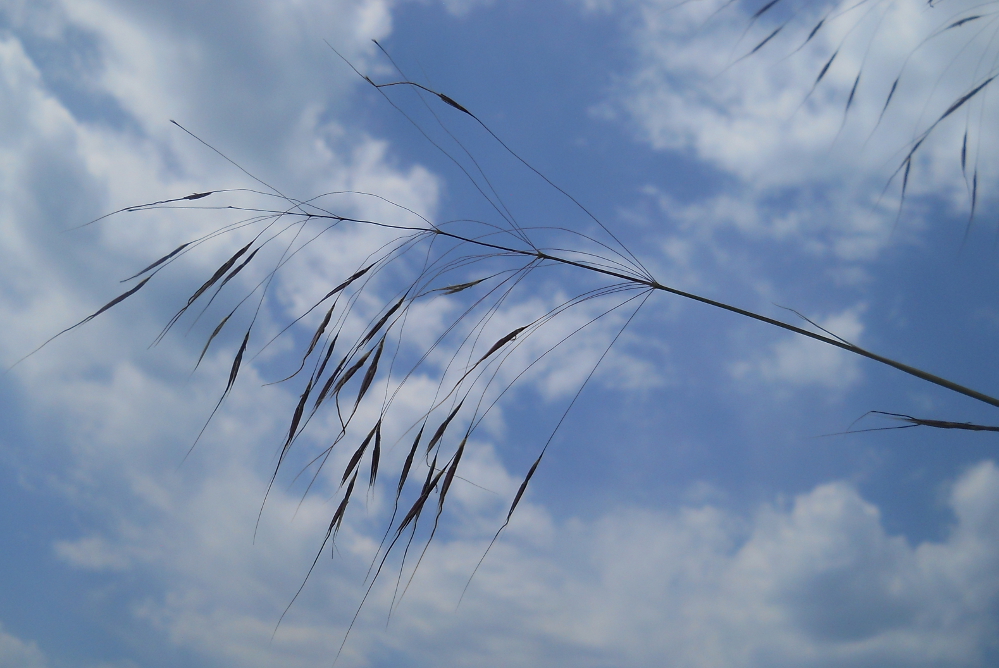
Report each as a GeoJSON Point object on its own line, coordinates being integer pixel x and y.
{"type": "Point", "coordinates": [698, 585]}
{"type": "Point", "coordinates": [16, 653]}
{"type": "Point", "coordinates": [463, 7]}
{"type": "Point", "coordinates": [797, 360]}
{"type": "Point", "coordinates": [798, 175]}
{"type": "Point", "coordinates": [816, 582]}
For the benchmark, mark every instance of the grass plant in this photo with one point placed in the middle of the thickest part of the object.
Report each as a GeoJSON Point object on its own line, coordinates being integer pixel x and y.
{"type": "Point", "coordinates": [359, 359]}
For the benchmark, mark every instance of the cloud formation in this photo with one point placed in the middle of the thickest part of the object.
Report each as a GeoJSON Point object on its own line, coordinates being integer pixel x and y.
{"type": "Point", "coordinates": [813, 581]}
{"type": "Point", "coordinates": [809, 158]}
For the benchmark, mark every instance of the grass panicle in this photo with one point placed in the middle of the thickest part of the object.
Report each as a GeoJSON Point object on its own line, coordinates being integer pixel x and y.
{"type": "Point", "coordinates": [478, 266]}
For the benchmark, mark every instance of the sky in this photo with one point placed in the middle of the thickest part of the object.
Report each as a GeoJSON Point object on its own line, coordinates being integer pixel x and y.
{"type": "Point", "coordinates": [700, 505]}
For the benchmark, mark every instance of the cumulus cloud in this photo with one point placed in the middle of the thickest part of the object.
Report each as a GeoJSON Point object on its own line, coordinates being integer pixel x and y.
{"type": "Point", "coordinates": [16, 653]}
{"type": "Point", "coordinates": [801, 361]}
{"type": "Point", "coordinates": [697, 585]}
{"type": "Point", "coordinates": [816, 582]}
{"type": "Point", "coordinates": [118, 418]}
{"type": "Point", "coordinates": [803, 170]}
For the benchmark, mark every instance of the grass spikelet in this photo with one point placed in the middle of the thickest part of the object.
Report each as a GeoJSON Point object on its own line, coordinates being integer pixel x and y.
{"type": "Point", "coordinates": [376, 453]}
{"type": "Point", "coordinates": [226, 266]}
{"type": "Point", "coordinates": [763, 10]}
{"type": "Point", "coordinates": [815, 31]}
{"type": "Point", "coordinates": [937, 424]}
{"type": "Point", "coordinates": [356, 457]}
{"type": "Point", "coordinates": [523, 487]}
{"type": "Point", "coordinates": [408, 465]}
{"type": "Point", "coordinates": [326, 358]}
{"type": "Point", "coordinates": [346, 283]}
{"type": "Point", "coordinates": [502, 342]}
{"type": "Point", "coordinates": [417, 506]}
{"type": "Point", "coordinates": [961, 22]}
{"type": "Point", "coordinates": [381, 321]}
{"type": "Point", "coordinates": [448, 101]}
{"type": "Point", "coordinates": [825, 68]}
{"type": "Point", "coordinates": [349, 373]}
{"type": "Point", "coordinates": [296, 418]}
{"type": "Point", "coordinates": [853, 92]}
{"type": "Point", "coordinates": [961, 100]}
{"type": "Point", "coordinates": [159, 261]}
{"type": "Point", "coordinates": [443, 427]}
{"type": "Point", "coordinates": [340, 510]}
{"type": "Point", "coordinates": [369, 375]}
{"type": "Point", "coordinates": [212, 338]}
{"type": "Point", "coordinates": [312, 346]}
{"type": "Point", "coordinates": [446, 485]}
{"type": "Point", "coordinates": [454, 289]}
{"type": "Point", "coordinates": [114, 302]}
{"type": "Point", "coordinates": [234, 371]}
{"type": "Point", "coordinates": [765, 40]}
{"type": "Point", "coordinates": [964, 153]}
{"type": "Point", "coordinates": [891, 94]}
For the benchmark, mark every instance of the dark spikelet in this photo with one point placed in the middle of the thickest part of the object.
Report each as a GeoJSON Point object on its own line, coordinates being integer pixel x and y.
{"type": "Point", "coordinates": [523, 487]}
{"type": "Point", "coordinates": [381, 321]}
{"type": "Point", "coordinates": [212, 338]}
{"type": "Point", "coordinates": [853, 92]}
{"type": "Point", "coordinates": [369, 375]}
{"type": "Point", "coordinates": [502, 342]}
{"type": "Point", "coordinates": [117, 300]}
{"type": "Point", "coordinates": [767, 39]}
{"type": "Point", "coordinates": [764, 9]}
{"type": "Point", "coordinates": [350, 280]}
{"type": "Point", "coordinates": [417, 507]}
{"type": "Point", "coordinates": [340, 510]}
{"type": "Point", "coordinates": [376, 453]}
{"type": "Point", "coordinates": [349, 373]}
{"type": "Point", "coordinates": [961, 22]}
{"type": "Point", "coordinates": [964, 98]}
{"type": "Point", "coordinates": [238, 269]}
{"type": "Point", "coordinates": [452, 289]}
{"type": "Point", "coordinates": [329, 353]}
{"type": "Point", "coordinates": [974, 196]}
{"type": "Point", "coordinates": [441, 429]}
{"type": "Point", "coordinates": [964, 152]}
{"type": "Point", "coordinates": [312, 346]}
{"type": "Point", "coordinates": [232, 380]}
{"type": "Point", "coordinates": [114, 302]}
{"type": "Point", "coordinates": [938, 424]}
{"type": "Point", "coordinates": [356, 457]}
{"type": "Point", "coordinates": [825, 68]}
{"type": "Point", "coordinates": [891, 93]}
{"type": "Point", "coordinates": [905, 176]}
{"type": "Point", "coordinates": [236, 362]}
{"type": "Point", "coordinates": [427, 486]}
{"type": "Point", "coordinates": [408, 465]}
{"type": "Point", "coordinates": [226, 266]}
{"type": "Point", "coordinates": [446, 100]}
{"type": "Point", "coordinates": [159, 261]}
{"type": "Point", "coordinates": [814, 31]}
{"type": "Point", "coordinates": [334, 377]}
{"type": "Point", "coordinates": [296, 418]}
{"type": "Point", "coordinates": [320, 331]}
{"type": "Point", "coordinates": [446, 485]}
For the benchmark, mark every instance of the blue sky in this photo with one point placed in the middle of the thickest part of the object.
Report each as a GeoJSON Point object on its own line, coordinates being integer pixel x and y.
{"type": "Point", "coordinates": [697, 508]}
